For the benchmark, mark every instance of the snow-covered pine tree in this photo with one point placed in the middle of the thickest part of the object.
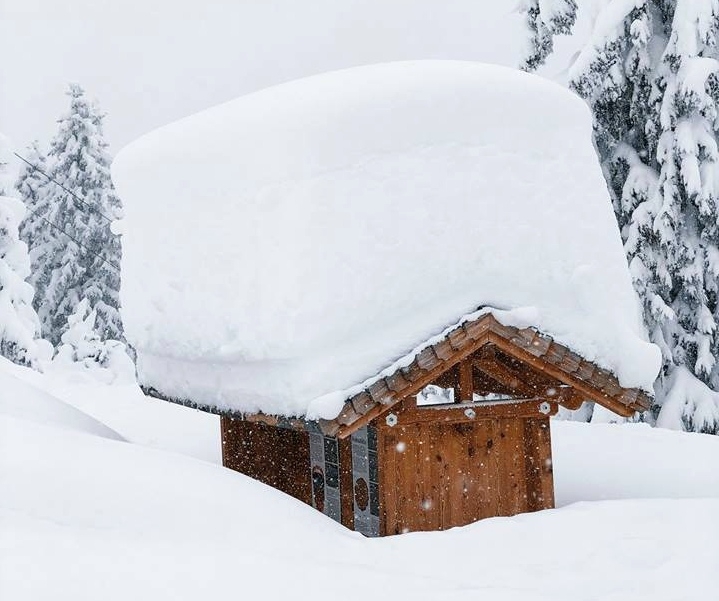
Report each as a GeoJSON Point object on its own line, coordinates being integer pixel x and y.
{"type": "Point", "coordinates": [35, 231]}
{"type": "Point", "coordinates": [650, 73]}
{"type": "Point", "coordinates": [82, 345]}
{"type": "Point", "coordinates": [545, 19]}
{"type": "Point", "coordinates": [19, 324]}
{"type": "Point", "coordinates": [83, 262]}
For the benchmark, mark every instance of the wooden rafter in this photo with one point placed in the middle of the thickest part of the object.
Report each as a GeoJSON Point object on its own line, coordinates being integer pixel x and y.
{"type": "Point", "coordinates": [554, 366]}
{"type": "Point", "coordinates": [505, 375]}
{"type": "Point", "coordinates": [587, 389]}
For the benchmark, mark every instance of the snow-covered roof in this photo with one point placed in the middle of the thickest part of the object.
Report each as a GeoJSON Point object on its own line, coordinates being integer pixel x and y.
{"type": "Point", "coordinates": [285, 247]}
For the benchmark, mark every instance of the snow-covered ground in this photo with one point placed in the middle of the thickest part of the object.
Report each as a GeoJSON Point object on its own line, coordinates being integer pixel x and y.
{"type": "Point", "coordinates": [121, 406]}
{"type": "Point", "coordinates": [85, 515]}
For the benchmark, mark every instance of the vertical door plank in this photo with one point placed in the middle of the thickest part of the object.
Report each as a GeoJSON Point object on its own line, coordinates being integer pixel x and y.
{"type": "Point", "coordinates": [435, 476]}
{"type": "Point", "coordinates": [544, 439]}
{"type": "Point", "coordinates": [518, 490]}
{"type": "Point", "coordinates": [386, 446]}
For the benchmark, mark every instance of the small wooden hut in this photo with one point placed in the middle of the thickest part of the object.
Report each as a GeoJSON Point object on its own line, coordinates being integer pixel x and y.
{"type": "Point", "coordinates": [460, 434]}
{"type": "Point", "coordinates": [364, 234]}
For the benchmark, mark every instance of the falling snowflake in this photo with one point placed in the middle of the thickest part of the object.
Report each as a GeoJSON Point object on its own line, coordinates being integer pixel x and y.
{"type": "Point", "coordinates": [401, 447]}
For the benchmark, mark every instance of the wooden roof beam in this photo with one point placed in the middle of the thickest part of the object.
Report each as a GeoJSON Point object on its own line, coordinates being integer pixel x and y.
{"type": "Point", "coordinates": [505, 375]}
{"type": "Point", "coordinates": [587, 390]}
{"type": "Point", "coordinates": [569, 398]}
{"type": "Point", "coordinates": [426, 377]}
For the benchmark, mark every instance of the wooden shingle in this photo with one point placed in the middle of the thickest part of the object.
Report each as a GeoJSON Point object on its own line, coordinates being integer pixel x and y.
{"type": "Point", "coordinates": [571, 362]}
{"type": "Point", "coordinates": [457, 338]}
{"type": "Point", "coordinates": [362, 402]}
{"type": "Point", "coordinates": [555, 353]}
{"type": "Point", "coordinates": [585, 371]}
{"type": "Point", "coordinates": [380, 392]}
{"type": "Point", "coordinates": [611, 387]}
{"type": "Point", "coordinates": [476, 329]}
{"type": "Point", "coordinates": [348, 415]}
{"type": "Point", "coordinates": [428, 359]}
{"type": "Point", "coordinates": [444, 350]}
{"type": "Point", "coordinates": [539, 345]}
{"type": "Point", "coordinates": [412, 372]}
{"type": "Point", "coordinates": [629, 396]}
{"type": "Point", "coordinates": [397, 382]}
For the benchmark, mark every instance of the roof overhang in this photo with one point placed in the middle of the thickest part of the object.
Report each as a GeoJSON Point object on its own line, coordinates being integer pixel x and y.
{"type": "Point", "coordinates": [578, 378]}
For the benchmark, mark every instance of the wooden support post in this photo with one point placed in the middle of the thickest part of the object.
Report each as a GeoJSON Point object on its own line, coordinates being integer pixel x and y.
{"type": "Point", "coordinates": [466, 381]}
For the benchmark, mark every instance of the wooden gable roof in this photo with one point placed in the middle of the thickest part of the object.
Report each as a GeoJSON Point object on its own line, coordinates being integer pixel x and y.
{"type": "Point", "coordinates": [555, 371]}
{"type": "Point", "coordinates": [533, 365]}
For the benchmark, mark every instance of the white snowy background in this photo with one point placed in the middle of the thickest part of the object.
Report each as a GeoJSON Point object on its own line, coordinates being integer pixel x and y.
{"type": "Point", "coordinates": [106, 494]}
{"type": "Point", "coordinates": [153, 61]}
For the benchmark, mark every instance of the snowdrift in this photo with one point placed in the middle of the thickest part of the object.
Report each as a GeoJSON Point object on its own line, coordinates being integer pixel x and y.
{"type": "Point", "coordinates": [68, 395]}
{"type": "Point", "coordinates": [287, 245]}
{"type": "Point", "coordinates": [86, 518]}
{"type": "Point", "coordinates": [22, 400]}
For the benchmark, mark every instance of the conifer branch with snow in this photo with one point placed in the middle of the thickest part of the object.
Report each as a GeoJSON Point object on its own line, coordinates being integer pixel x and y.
{"type": "Point", "coordinates": [545, 19]}
{"type": "Point", "coordinates": [74, 252]}
{"type": "Point", "coordinates": [81, 344]}
{"type": "Point", "coordinates": [650, 73]}
{"type": "Point", "coordinates": [19, 324]}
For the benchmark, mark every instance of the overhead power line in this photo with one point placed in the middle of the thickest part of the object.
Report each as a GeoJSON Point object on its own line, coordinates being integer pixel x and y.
{"type": "Point", "coordinates": [57, 227]}
{"type": "Point", "coordinates": [70, 192]}
{"type": "Point", "coordinates": [80, 244]}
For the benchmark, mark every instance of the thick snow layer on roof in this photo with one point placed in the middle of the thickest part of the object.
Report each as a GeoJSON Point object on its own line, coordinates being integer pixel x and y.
{"type": "Point", "coordinates": [286, 246]}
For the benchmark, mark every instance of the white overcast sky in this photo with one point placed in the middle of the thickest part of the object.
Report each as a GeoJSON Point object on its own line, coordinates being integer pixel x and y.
{"type": "Point", "coordinates": [149, 62]}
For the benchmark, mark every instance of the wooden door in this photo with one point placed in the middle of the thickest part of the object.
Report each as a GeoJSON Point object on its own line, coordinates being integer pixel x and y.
{"type": "Point", "coordinates": [438, 475]}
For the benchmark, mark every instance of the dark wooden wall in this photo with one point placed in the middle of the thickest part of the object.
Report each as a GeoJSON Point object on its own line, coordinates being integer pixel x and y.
{"type": "Point", "coordinates": [440, 468]}
{"type": "Point", "coordinates": [276, 456]}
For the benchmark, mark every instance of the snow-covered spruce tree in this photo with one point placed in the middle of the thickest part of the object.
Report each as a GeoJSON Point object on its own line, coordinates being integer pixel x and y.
{"type": "Point", "coordinates": [32, 186]}
{"type": "Point", "coordinates": [83, 262]}
{"type": "Point", "coordinates": [82, 345]}
{"type": "Point", "coordinates": [19, 324]}
{"type": "Point", "coordinates": [650, 73]}
{"type": "Point", "coordinates": [544, 19]}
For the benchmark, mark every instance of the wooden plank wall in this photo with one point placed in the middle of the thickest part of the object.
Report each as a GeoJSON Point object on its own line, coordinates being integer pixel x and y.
{"type": "Point", "coordinates": [435, 474]}
{"type": "Point", "coordinates": [346, 483]}
{"type": "Point", "coordinates": [538, 467]}
{"type": "Point", "coordinates": [276, 456]}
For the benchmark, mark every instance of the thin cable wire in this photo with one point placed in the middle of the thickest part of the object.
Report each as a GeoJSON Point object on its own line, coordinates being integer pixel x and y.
{"type": "Point", "coordinates": [92, 252]}
{"type": "Point", "coordinates": [70, 192]}
{"type": "Point", "coordinates": [57, 227]}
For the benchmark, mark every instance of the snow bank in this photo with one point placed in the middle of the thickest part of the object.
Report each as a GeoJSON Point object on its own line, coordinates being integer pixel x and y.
{"type": "Point", "coordinates": [291, 243]}
{"type": "Point", "coordinates": [84, 518]}
{"type": "Point", "coordinates": [613, 461]}
{"type": "Point", "coordinates": [23, 400]}
{"type": "Point", "coordinates": [116, 404]}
